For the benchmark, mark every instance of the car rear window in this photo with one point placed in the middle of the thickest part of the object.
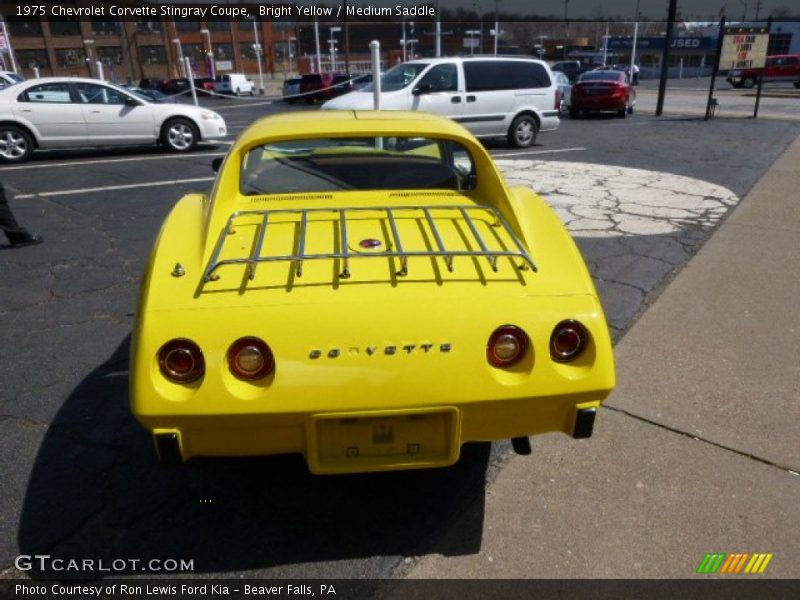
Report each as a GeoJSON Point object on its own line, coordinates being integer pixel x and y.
{"type": "Point", "coordinates": [356, 163]}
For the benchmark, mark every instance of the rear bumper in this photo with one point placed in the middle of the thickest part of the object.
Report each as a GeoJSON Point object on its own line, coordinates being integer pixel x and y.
{"type": "Point", "coordinates": [598, 103]}
{"type": "Point", "coordinates": [375, 440]}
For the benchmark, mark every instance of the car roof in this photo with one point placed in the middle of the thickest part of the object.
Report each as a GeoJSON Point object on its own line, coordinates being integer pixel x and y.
{"type": "Point", "coordinates": [445, 59]}
{"type": "Point", "coordinates": [27, 82]}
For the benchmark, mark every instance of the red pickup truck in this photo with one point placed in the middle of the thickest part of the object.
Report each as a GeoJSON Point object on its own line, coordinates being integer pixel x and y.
{"type": "Point", "coordinates": [783, 67]}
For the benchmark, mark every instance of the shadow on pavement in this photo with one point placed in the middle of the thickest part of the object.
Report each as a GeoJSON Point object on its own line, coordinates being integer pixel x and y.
{"type": "Point", "coordinates": [97, 492]}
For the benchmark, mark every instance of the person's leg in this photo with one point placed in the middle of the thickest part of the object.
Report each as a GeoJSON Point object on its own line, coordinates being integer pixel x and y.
{"type": "Point", "coordinates": [16, 234]}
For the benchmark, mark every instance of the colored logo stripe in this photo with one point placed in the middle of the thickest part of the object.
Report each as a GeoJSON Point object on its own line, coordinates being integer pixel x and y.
{"type": "Point", "coordinates": [733, 564]}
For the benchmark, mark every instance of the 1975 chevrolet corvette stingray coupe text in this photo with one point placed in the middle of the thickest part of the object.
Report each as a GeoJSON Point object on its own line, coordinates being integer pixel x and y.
{"type": "Point", "coordinates": [364, 289]}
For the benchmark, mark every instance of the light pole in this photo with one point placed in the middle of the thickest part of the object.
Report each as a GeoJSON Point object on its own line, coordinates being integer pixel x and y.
{"type": "Point", "coordinates": [332, 42]}
{"type": "Point", "coordinates": [210, 55]}
{"type": "Point", "coordinates": [292, 46]}
{"type": "Point", "coordinates": [633, 48]}
{"type": "Point", "coordinates": [438, 31]}
{"type": "Point", "coordinates": [566, 27]}
{"type": "Point", "coordinates": [259, 54]}
{"type": "Point", "coordinates": [496, 26]}
{"type": "Point", "coordinates": [542, 51]}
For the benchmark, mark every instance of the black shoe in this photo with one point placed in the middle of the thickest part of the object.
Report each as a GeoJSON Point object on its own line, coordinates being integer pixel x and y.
{"type": "Point", "coordinates": [30, 240]}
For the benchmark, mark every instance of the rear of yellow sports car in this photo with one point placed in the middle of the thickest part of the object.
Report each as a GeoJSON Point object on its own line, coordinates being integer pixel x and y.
{"type": "Point", "coordinates": [368, 329]}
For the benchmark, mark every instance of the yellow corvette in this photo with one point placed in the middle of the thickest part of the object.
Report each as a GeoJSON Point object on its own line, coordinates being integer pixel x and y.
{"type": "Point", "coordinates": [364, 289]}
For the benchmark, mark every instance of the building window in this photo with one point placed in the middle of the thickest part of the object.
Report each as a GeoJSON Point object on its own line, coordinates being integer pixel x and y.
{"type": "Point", "coordinates": [223, 51]}
{"type": "Point", "coordinates": [105, 27]}
{"type": "Point", "coordinates": [148, 26]}
{"type": "Point", "coordinates": [248, 51]}
{"type": "Point", "coordinates": [187, 26]}
{"type": "Point", "coordinates": [24, 28]}
{"type": "Point", "coordinates": [153, 55]}
{"type": "Point", "coordinates": [33, 58]}
{"type": "Point", "coordinates": [779, 43]}
{"type": "Point", "coordinates": [111, 55]}
{"type": "Point", "coordinates": [194, 52]}
{"type": "Point", "coordinates": [71, 57]}
{"type": "Point", "coordinates": [218, 25]}
{"type": "Point", "coordinates": [65, 26]}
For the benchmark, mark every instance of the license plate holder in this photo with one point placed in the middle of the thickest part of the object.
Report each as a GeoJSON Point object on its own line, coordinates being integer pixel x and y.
{"type": "Point", "coordinates": [383, 440]}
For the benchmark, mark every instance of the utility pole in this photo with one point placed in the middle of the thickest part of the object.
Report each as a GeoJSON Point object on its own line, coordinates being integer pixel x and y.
{"type": "Point", "coordinates": [662, 85]}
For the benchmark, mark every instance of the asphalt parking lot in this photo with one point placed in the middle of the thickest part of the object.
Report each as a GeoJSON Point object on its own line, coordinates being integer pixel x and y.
{"type": "Point", "coordinates": [641, 195]}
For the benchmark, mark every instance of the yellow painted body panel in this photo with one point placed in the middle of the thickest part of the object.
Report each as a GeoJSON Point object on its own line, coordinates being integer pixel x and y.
{"type": "Point", "coordinates": [336, 379]}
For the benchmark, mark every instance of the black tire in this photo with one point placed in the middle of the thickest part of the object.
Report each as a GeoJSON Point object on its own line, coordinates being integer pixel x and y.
{"type": "Point", "coordinates": [630, 109]}
{"type": "Point", "coordinates": [238, 92]}
{"type": "Point", "coordinates": [797, 84]}
{"type": "Point", "coordinates": [522, 133]}
{"type": "Point", "coordinates": [623, 112]}
{"type": "Point", "coordinates": [749, 82]}
{"type": "Point", "coordinates": [16, 144]}
{"type": "Point", "coordinates": [180, 135]}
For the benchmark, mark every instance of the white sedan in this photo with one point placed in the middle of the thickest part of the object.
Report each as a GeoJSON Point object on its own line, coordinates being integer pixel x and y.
{"type": "Point", "coordinates": [72, 112]}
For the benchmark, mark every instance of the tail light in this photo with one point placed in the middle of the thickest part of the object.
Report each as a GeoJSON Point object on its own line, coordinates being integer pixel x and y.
{"type": "Point", "coordinates": [568, 341]}
{"type": "Point", "coordinates": [250, 358]}
{"type": "Point", "coordinates": [181, 361]}
{"type": "Point", "coordinates": [507, 345]}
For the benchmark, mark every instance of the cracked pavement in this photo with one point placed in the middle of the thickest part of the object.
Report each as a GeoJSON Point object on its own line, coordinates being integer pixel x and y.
{"type": "Point", "coordinates": [79, 476]}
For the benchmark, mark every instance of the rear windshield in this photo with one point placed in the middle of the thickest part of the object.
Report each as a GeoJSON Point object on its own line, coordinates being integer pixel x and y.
{"type": "Point", "coordinates": [356, 163]}
{"type": "Point", "coordinates": [602, 76]}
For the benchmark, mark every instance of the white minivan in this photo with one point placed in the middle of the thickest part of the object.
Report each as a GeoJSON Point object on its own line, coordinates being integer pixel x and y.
{"type": "Point", "coordinates": [490, 96]}
{"type": "Point", "coordinates": [233, 83]}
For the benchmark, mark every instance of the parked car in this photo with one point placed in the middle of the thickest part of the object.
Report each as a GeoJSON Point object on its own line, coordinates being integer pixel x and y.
{"type": "Point", "coordinates": [341, 84]}
{"type": "Point", "coordinates": [361, 80]}
{"type": "Point", "coordinates": [291, 88]}
{"type": "Point", "coordinates": [151, 83]}
{"type": "Point", "coordinates": [363, 288]}
{"type": "Point", "coordinates": [493, 97]}
{"type": "Point", "coordinates": [151, 95]}
{"type": "Point", "coordinates": [234, 83]}
{"type": "Point", "coordinates": [783, 67]}
{"type": "Point", "coordinates": [564, 88]}
{"type": "Point", "coordinates": [571, 68]}
{"type": "Point", "coordinates": [602, 90]}
{"type": "Point", "coordinates": [316, 82]}
{"type": "Point", "coordinates": [57, 112]}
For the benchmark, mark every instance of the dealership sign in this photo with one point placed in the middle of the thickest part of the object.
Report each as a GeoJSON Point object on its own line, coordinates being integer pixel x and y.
{"type": "Point", "coordinates": [657, 43]}
{"type": "Point", "coordinates": [744, 48]}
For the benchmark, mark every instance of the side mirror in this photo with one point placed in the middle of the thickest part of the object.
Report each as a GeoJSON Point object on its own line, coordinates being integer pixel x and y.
{"type": "Point", "coordinates": [132, 101]}
{"type": "Point", "coordinates": [216, 164]}
{"type": "Point", "coordinates": [423, 88]}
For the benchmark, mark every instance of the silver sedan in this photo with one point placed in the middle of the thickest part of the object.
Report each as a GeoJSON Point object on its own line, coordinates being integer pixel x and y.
{"type": "Point", "coordinates": [73, 112]}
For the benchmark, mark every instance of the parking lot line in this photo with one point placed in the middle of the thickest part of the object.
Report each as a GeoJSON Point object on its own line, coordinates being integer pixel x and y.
{"type": "Point", "coordinates": [526, 152]}
{"type": "Point", "coordinates": [110, 188]}
{"type": "Point", "coordinates": [108, 160]}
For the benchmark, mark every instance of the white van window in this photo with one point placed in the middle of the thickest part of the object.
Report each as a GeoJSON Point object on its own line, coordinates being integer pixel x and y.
{"type": "Point", "coordinates": [399, 77]}
{"type": "Point", "coordinates": [489, 75]}
{"type": "Point", "coordinates": [441, 78]}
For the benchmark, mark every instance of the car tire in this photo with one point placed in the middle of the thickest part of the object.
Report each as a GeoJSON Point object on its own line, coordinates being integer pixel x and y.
{"type": "Point", "coordinates": [623, 112]}
{"type": "Point", "coordinates": [630, 109]}
{"type": "Point", "coordinates": [522, 133]}
{"type": "Point", "coordinates": [797, 84]}
{"type": "Point", "coordinates": [748, 82]}
{"type": "Point", "coordinates": [16, 144]}
{"type": "Point", "coordinates": [238, 92]}
{"type": "Point", "coordinates": [180, 135]}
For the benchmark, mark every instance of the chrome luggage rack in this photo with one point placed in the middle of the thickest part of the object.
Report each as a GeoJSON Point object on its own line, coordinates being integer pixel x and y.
{"type": "Point", "coordinates": [344, 254]}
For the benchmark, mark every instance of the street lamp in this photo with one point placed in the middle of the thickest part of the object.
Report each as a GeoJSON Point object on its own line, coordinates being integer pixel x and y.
{"type": "Point", "coordinates": [496, 31]}
{"type": "Point", "coordinates": [259, 55]}
{"type": "Point", "coordinates": [542, 38]}
{"type": "Point", "coordinates": [332, 43]}
{"type": "Point", "coordinates": [210, 55]}
{"type": "Point", "coordinates": [292, 45]}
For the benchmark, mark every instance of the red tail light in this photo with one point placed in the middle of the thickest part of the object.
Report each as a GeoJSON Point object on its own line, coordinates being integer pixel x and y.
{"type": "Point", "coordinates": [250, 358]}
{"type": "Point", "coordinates": [568, 341]}
{"type": "Point", "coordinates": [181, 361]}
{"type": "Point", "coordinates": [507, 345]}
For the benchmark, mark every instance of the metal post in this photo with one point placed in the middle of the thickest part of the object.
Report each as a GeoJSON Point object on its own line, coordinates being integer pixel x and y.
{"type": "Point", "coordinates": [761, 75]}
{"type": "Point", "coordinates": [403, 40]}
{"type": "Point", "coordinates": [100, 74]}
{"type": "Point", "coordinates": [438, 32]}
{"type": "Point", "coordinates": [496, 26]}
{"type": "Point", "coordinates": [375, 51]}
{"type": "Point", "coordinates": [605, 46]}
{"type": "Point", "coordinates": [181, 63]}
{"type": "Point", "coordinates": [258, 56]}
{"type": "Point", "coordinates": [316, 40]}
{"type": "Point", "coordinates": [716, 67]}
{"type": "Point", "coordinates": [36, 72]}
{"type": "Point", "coordinates": [662, 85]}
{"type": "Point", "coordinates": [633, 48]}
{"type": "Point", "coordinates": [187, 63]}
